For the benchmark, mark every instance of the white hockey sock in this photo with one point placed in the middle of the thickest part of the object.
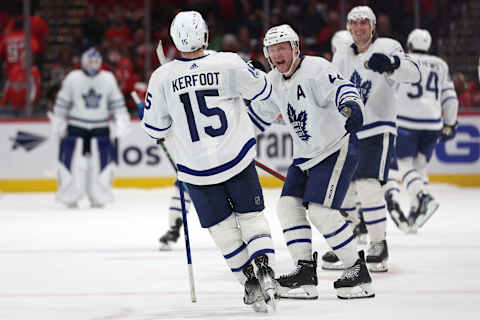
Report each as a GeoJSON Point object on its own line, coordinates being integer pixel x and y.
{"type": "Point", "coordinates": [257, 235]}
{"type": "Point", "coordinates": [412, 179]}
{"type": "Point", "coordinates": [175, 208]}
{"type": "Point", "coordinates": [351, 203]}
{"type": "Point", "coordinates": [373, 208]}
{"type": "Point", "coordinates": [228, 238]}
{"type": "Point", "coordinates": [336, 231]}
{"type": "Point", "coordinates": [296, 228]}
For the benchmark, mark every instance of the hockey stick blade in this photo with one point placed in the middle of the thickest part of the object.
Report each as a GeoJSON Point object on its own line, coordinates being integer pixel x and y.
{"type": "Point", "coordinates": [160, 55]}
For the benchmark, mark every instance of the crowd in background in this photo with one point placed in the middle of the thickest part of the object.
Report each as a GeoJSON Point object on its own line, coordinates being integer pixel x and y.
{"type": "Point", "coordinates": [116, 28]}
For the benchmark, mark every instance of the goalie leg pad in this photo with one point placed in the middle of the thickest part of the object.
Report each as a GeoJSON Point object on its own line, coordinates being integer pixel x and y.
{"type": "Point", "coordinates": [71, 172]}
{"type": "Point", "coordinates": [228, 238]}
{"type": "Point", "coordinates": [100, 171]}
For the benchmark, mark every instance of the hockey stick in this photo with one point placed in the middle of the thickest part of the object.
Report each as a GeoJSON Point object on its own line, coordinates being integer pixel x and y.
{"type": "Point", "coordinates": [193, 296]}
{"type": "Point", "coordinates": [269, 170]}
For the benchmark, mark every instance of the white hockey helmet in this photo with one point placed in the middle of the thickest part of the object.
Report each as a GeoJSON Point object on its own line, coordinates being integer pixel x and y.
{"type": "Point", "coordinates": [91, 61]}
{"type": "Point", "coordinates": [279, 34]}
{"type": "Point", "coordinates": [340, 39]}
{"type": "Point", "coordinates": [419, 39]}
{"type": "Point", "coordinates": [189, 31]}
{"type": "Point", "coordinates": [361, 12]}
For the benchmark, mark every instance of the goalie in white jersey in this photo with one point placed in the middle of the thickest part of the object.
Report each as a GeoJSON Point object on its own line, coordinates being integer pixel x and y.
{"type": "Point", "coordinates": [374, 65]}
{"type": "Point", "coordinates": [196, 104]}
{"type": "Point", "coordinates": [88, 100]}
{"type": "Point", "coordinates": [420, 126]}
{"type": "Point", "coordinates": [323, 111]}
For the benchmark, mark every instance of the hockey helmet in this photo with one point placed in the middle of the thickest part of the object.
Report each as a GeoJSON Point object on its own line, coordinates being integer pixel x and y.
{"type": "Point", "coordinates": [91, 61]}
{"type": "Point", "coordinates": [279, 34]}
{"type": "Point", "coordinates": [419, 39]}
{"type": "Point", "coordinates": [189, 31]}
{"type": "Point", "coordinates": [361, 12]}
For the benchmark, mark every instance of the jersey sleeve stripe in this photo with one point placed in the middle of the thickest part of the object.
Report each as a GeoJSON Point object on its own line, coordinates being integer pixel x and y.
{"type": "Point", "coordinates": [346, 85]}
{"type": "Point", "coordinates": [269, 93]}
{"type": "Point", "coordinates": [221, 168]}
{"type": "Point", "coordinates": [419, 120]}
{"type": "Point", "coordinates": [148, 126]}
{"type": "Point", "coordinates": [257, 116]}
{"type": "Point", "coordinates": [258, 125]}
{"type": "Point", "coordinates": [263, 90]}
{"type": "Point", "coordinates": [348, 94]}
{"type": "Point", "coordinates": [449, 98]}
{"type": "Point", "coordinates": [377, 124]}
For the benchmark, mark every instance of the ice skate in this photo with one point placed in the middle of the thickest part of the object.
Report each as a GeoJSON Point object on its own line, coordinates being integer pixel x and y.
{"type": "Point", "coordinates": [355, 282]}
{"type": "Point", "coordinates": [330, 261]}
{"type": "Point", "coordinates": [377, 256]}
{"type": "Point", "coordinates": [253, 292]}
{"type": "Point", "coordinates": [302, 282]}
{"type": "Point", "coordinates": [266, 278]}
{"type": "Point", "coordinates": [171, 236]}
{"type": "Point", "coordinates": [426, 208]}
{"type": "Point", "coordinates": [397, 214]}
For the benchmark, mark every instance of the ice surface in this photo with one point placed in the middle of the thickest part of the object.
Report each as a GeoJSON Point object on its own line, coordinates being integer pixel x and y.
{"type": "Point", "coordinates": [99, 264]}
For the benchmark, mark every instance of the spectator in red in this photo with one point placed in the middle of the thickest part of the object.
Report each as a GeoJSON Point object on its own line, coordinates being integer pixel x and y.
{"type": "Point", "coordinates": [125, 75]}
{"type": "Point", "coordinates": [38, 27]}
{"type": "Point", "coordinates": [470, 98]}
{"type": "Point", "coordinates": [12, 45]}
{"type": "Point", "coordinates": [119, 34]}
{"type": "Point", "coordinates": [15, 90]}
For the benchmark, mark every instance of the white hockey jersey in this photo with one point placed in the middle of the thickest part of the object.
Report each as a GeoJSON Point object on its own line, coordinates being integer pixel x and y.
{"type": "Point", "coordinates": [377, 90]}
{"type": "Point", "coordinates": [89, 102]}
{"type": "Point", "coordinates": [308, 101]}
{"type": "Point", "coordinates": [199, 104]}
{"type": "Point", "coordinates": [420, 104]}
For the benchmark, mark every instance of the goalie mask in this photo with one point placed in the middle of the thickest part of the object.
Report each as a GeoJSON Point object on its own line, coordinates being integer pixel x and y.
{"type": "Point", "coordinates": [419, 39]}
{"type": "Point", "coordinates": [91, 62]}
{"type": "Point", "coordinates": [189, 31]}
{"type": "Point", "coordinates": [279, 34]}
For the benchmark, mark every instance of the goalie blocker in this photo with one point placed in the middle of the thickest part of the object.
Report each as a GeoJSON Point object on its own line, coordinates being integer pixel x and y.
{"type": "Point", "coordinates": [86, 164]}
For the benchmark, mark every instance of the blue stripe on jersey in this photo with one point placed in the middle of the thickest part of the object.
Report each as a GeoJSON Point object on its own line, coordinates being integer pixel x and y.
{"type": "Point", "coordinates": [262, 129]}
{"type": "Point", "coordinates": [257, 116]}
{"type": "Point", "coordinates": [348, 209]}
{"type": "Point", "coordinates": [344, 243]}
{"type": "Point", "coordinates": [378, 124]}
{"type": "Point", "coordinates": [419, 120]}
{"type": "Point", "coordinates": [155, 128]}
{"type": "Point", "coordinates": [334, 233]}
{"type": "Point", "coordinates": [87, 121]}
{"type": "Point", "coordinates": [298, 240]}
{"type": "Point", "coordinates": [375, 221]}
{"type": "Point", "coordinates": [446, 99]}
{"type": "Point", "coordinates": [373, 208]}
{"type": "Point", "coordinates": [410, 182]}
{"type": "Point", "coordinates": [407, 173]}
{"type": "Point", "coordinates": [264, 87]}
{"type": "Point", "coordinates": [268, 95]}
{"type": "Point", "coordinates": [447, 89]}
{"type": "Point", "coordinates": [297, 227]}
{"type": "Point", "coordinates": [345, 95]}
{"type": "Point", "coordinates": [346, 85]}
{"type": "Point", "coordinates": [235, 252]}
{"type": "Point", "coordinates": [201, 173]}
{"type": "Point", "coordinates": [258, 236]}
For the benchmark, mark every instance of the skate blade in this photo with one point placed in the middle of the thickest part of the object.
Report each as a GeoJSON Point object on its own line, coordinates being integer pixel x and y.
{"type": "Point", "coordinates": [431, 209]}
{"type": "Point", "coordinates": [301, 293]}
{"type": "Point", "coordinates": [378, 266]}
{"type": "Point", "coordinates": [364, 290]}
{"type": "Point", "coordinates": [332, 265]}
{"type": "Point", "coordinates": [165, 247]}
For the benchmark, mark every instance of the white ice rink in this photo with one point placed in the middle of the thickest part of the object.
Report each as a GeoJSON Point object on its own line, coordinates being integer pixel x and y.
{"type": "Point", "coordinates": [103, 264]}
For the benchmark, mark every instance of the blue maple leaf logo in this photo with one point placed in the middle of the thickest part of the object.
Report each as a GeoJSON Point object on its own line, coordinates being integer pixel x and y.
{"type": "Point", "coordinates": [299, 122]}
{"type": "Point", "coordinates": [362, 87]}
{"type": "Point", "coordinates": [92, 99]}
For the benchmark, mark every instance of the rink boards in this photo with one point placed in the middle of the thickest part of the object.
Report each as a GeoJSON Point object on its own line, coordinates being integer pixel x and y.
{"type": "Point", "coordinates": [29, 157]}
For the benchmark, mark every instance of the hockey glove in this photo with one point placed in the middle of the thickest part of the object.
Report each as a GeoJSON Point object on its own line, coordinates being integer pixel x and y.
{"type": "Point", "coordinates": [448, 132]}
{"type": "Point", "coordinates": [381, 63]}
{"type": "Point", "coordinates": [352, 111]}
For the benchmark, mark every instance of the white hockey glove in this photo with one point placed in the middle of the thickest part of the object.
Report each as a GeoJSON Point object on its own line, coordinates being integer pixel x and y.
{"type": "Point", "coordinates": [121, 124]}
{"type": "Point", "coordinates": [59, 125]}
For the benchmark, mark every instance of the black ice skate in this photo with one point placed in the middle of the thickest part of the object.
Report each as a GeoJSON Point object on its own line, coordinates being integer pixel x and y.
{"type": "Point", "coordinates": [397, 214]}
{"type": "Point", "coordinates": [171, 236]}
{"type": "Point", "coordinates": [302, 282]}
{"type": "Point", "coordinates": [426, 208]}
{"type": "Point", "coordinates": [377, 256]}
{"type": "Point", "coordinates": [355, 282]}
{"type": "Point", "coordinates": [253, 292]}
{"type": "Point", "coordinates": [266, 278]}
{"type": "Point", "coordinates": [360, 231]}
{"type": "Point", "coordinates": [330, 261]}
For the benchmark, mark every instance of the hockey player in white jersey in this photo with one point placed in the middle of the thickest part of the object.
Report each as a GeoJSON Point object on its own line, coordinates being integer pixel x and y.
{"type": "Point", "coordinates": [88, 99]}
{"type": "Point", "coordinates": [196, 103]}
{"type": "Point", "coordinates": [420, 126]}
{"type": "Point", "coordinates": [323, 111]}
{"type": "Point", "coordinates": [340, 39]}
{"type": "Point", "coordinates": [374, 65]}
